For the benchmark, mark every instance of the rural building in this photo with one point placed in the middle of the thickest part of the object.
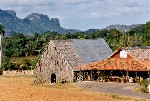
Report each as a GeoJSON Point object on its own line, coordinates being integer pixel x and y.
{"type": "Point", "coordinates": [125, 63]}
{"type": "Point", "coordinates": [58, 62]}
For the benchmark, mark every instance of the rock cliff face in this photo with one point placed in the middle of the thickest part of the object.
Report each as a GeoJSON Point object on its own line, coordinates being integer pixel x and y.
{"type": "Point", "coordinates": [11, 12]}
{"type": "Point", "coordinates": [32, 23]}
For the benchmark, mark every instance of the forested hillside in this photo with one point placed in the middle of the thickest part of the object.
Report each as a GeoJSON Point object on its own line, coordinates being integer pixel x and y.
{"type": "Point", "coordinates": [40, 23]}
{"type": "Point", "coordinates": [22, 52]}
{"type": "Point", "coordinates": [32, 23]}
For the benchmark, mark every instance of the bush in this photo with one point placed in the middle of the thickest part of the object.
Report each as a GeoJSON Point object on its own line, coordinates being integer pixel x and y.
{"type": "Point", "coordinates": [144, 84]}
{"type": "Point", "coordinates": [7, 65]}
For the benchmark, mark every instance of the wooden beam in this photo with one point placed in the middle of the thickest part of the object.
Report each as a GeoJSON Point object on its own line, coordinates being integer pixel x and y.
{"type": "Point", "coordinates": [91, 75]}
{"type": "Point", "coordinates": [98, 74]}
{"type": "Point", "coordinates": [84, 75]}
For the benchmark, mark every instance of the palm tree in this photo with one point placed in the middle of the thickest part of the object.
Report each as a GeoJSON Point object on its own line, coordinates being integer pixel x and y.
{"type": "Point", "coordinates": [1, 35]}
{"type": "Point", "coordinates": [2, 32]}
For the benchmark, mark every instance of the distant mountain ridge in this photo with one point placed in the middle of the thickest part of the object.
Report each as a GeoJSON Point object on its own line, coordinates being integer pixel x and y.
{"type": "Point", "coordinates": [32, 23]}
{"type": "Point", "coordinates": [40, 23]}
{"type": "Point", "coordinates": [117, 26]}
{"type": "Point", "coordinates": [122, 27]}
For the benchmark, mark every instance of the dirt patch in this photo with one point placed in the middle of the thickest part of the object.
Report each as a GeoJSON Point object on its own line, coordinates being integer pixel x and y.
{"type": "Point", "coordinates": [23, 89]}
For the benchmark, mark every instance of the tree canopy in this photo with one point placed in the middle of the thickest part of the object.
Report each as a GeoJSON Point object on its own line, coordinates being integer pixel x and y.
{"type": "Point", "coordinates": [20, 45]}
{"type": "Point", "coordinates": [2, 30]}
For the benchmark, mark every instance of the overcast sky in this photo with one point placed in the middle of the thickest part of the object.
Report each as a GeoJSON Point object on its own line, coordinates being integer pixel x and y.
{"type": "Point", "coordinates": [84, 14]}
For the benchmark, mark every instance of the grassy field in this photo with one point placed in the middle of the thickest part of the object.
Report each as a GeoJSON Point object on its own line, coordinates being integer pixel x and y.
{"type": "Point", "coordinates": [22, 88]}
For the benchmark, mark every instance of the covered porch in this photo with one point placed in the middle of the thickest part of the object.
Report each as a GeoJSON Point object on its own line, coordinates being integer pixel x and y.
{"type": "Point", "coordinates": [112, 75]}
{"type": "Point", "coordinates": [114, 70]}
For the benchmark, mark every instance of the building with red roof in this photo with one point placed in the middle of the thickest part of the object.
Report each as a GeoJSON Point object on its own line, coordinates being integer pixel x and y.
{"type": "Point", "coordinates": [125, 62]}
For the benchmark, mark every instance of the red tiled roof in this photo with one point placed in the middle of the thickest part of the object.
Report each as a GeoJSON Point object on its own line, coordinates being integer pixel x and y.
{"type": "Point", "coordinates": [117, 64]}
{"type": "Point", "coordinates": [147, 62]}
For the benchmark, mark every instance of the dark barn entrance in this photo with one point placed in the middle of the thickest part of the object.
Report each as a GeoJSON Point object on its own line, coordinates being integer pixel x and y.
{"type": "Point", "coordinates": [53, 78]}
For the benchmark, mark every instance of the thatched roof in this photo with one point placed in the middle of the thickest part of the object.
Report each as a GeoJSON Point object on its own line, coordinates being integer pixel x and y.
{"type": "Point", "coordinates": [82, 51]}
{"type": "Point", "coordinates": [140, 53]}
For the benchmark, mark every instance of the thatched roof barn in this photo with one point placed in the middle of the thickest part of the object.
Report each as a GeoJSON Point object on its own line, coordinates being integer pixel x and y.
{"type": "Point", "coordinates": [62, 56]}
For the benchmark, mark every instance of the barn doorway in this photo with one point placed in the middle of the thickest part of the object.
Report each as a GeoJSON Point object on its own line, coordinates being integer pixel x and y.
{"type": "Point", "coordinates": [53, 78]}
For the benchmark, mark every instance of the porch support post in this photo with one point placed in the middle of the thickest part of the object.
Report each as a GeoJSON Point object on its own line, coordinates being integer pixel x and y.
{"type": "Point", "coordinates": [136, 75]}
{"type": "Point", "coordinates": [91, 75]}
{"type": "Point", "coordinates": [121, 73]}
{"type": "Point", "coordinates": [127, 76]}
{"type": "Point", "coordinates": [98, 74]}
{"type": "Point", "coordinates": [84, 75]}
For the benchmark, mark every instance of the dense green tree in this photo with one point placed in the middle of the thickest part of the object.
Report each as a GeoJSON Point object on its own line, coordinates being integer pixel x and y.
{"type": "Point", "coordinates": [146, 34]}
{"type": "Point", "coordinates": [20, 45]}
{"type": "Point", "coordinates": [7, 65]}
{"type": "Point", "coordinates": [2, 30]}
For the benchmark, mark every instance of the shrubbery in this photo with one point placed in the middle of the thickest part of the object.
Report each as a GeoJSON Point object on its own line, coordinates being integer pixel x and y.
{"type": "Point", "coordinates": [144, 84]}
{"type": "Point", "coordinates": [22, 64]}
{"type": "Point", "coordinates": [20, 45]}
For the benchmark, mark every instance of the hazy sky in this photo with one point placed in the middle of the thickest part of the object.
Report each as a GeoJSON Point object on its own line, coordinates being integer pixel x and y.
{"type": "Point", "coordinates": [84, 14]}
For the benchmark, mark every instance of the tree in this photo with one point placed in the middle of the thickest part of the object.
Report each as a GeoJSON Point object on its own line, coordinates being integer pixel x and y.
{"type": "Point", "coordinates": [1, 35]}
{"type": "Point", "coordinates": [68, 35]}
{"type": "Point", "coordinates": [146, 35]}
{"type": "Point", "coordinates": [123, 41]}
{"type": "Point", "coordinates": [2, 32]}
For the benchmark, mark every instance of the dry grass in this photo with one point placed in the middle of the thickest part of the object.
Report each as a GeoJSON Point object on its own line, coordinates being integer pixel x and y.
{"type": "Point", "coordinates": [23, 89]}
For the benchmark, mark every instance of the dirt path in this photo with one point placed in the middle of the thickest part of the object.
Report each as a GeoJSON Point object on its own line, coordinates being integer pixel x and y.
{"type": "Point", "coordinates": [22, 89]}
{"type": "Point", "coordinates": [113, 88]}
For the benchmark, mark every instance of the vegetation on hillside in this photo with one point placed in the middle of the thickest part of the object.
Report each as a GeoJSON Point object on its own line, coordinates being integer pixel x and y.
{"type": "Point", "coordinates": [34, 22]}
{"type": "Point", "coordinates": [30, 47]}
